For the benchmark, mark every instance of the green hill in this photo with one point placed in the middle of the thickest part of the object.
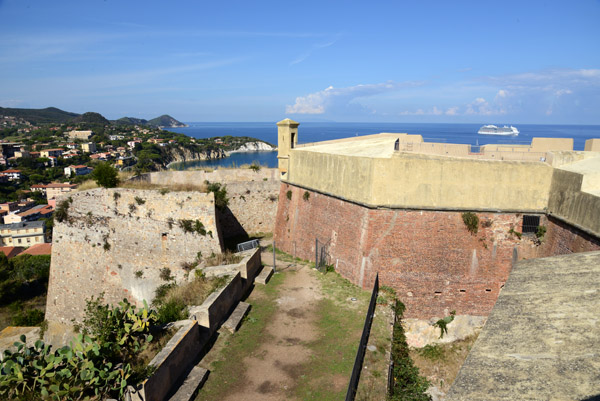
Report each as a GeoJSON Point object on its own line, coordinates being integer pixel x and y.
{"type": "Point", "coordinates": [165, 121]}
{"type": "Point", "coordinates": [91, 118]}
{"type": "Point", "coordinates": [130, 121]}
{"type": "Point", "coordinates": [39, 116]}
{"type": "Point", "coordinates": [52, 115]}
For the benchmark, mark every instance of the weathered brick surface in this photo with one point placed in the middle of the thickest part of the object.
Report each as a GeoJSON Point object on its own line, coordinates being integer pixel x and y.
{"type": "Point", "coordinates": [562, 238]}
{"type": "Point", "coordinates": [429, 257]}
{"type": "Point", "coordinates": [143, 238]}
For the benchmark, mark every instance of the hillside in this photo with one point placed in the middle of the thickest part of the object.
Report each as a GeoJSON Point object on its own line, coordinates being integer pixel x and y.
{"type": "Point", "coordinates": [40, 116]}
{"type": "Point", "coordinates": [52, 115]}
{"type": "Point", "coordinates": [165, 121]}
{"type": "Point", "coordinates": [91, 118]}
{"type": "Point", "coordinates": [130, 121]}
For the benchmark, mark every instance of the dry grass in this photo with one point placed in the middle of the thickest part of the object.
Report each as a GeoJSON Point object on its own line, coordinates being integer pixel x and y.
{"type": "Point", "coordinates": [442, 368]}
{"type": "Point", "coordinates": [165, 188]}
{"type": "Point", "coordinates": [225, 258]}
{"type": "Point", "coordinates": [89, 184]}
{"type": "Point", "coordinates": [196, 291]}
{"type": "Point", "coordinates": [158, 343]}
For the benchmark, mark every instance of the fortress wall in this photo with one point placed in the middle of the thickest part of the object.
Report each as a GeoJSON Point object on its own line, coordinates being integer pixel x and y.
{"type": "Point", "coordinates": [197, 177]}
{"type": "Point", "coordinates": [409, 180]}
{"type": "Point", "coordinates": [427, 256]}
{"type": "Point", "coordinates": [422, 181]}
{"type": "Point", "coordinates": [570, 203]}
{"type": "Point", "coordinates": [562, 238]}
{"type": "Point", "coordinates": [344, 176]}
{"type": "Point", "coordinates": [140, 239]}
{"type": "Point", "coordinates": [252, 196]}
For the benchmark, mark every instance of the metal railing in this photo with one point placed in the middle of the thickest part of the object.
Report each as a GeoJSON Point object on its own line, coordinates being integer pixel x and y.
{"type": "Point", "coordinates": [244, 246]}
{"type": "Point", "coordinates": [360, 354]}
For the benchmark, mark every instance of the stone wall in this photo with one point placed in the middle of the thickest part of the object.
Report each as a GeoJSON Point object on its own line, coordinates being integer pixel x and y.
{"type": "Point", "coordinates": [116, 241]}
{"type": "Point", "coordinates": [435, 264]}
{"type": "Point", "coordinates": [252, 196]}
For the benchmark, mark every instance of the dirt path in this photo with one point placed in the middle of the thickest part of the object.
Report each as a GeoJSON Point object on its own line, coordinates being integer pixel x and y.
{"type": "Point", "coordinates": [272, 371]}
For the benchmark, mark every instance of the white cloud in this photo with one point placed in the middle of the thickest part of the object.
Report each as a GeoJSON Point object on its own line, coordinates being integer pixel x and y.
{"type": "Point", "coordinates": [452, 111]}
{"type": "Point", "coordinates": [343, 98]}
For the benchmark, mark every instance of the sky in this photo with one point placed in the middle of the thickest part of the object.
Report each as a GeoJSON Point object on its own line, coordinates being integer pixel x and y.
{"type": "Point", "coordinates": [504, 62]}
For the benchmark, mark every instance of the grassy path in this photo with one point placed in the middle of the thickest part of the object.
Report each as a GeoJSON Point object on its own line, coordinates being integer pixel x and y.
{"type": "Point", "coordinates": [298, 343]}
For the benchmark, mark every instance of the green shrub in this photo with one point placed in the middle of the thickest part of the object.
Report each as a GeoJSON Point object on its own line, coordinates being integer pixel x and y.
{"type": "Point", "coordinates": [139, 200]}
{"type": "Point", "coordinates": [105, 175]}
{"type": "Point", "coordinates": [407, 384]}
{"type": "Point", "coordinates": [289, 194]}
{"type": "Point", "coordinates": [165, 274]}
{"type": "Point", "coordinates": [433, 352]}
{"type": "Point", "coordinates": [193, 226]}
{"type": "Point", "coordinates": [306, 195]}
{"type": "Point", "coordinates": [62, 210]}
{"type": "Point", "coordinates": [255, 167]}
{"type": "Point", "coordinates": [97, 365]}
{"type": "Point", "coordinates": [443, 323]}
{"type": "Point", "coordinates": [220, 192]}
{"type": "Point", "coordinates": [541, 231]}
{"type": "Point", "coordinates": [516, 233]}
{"type": "Point", "coordinates": [471, 221]}
{"type": "Point", "coordinates": [171, 311]}
{"type": "Point", "coordinates": [27, 318]}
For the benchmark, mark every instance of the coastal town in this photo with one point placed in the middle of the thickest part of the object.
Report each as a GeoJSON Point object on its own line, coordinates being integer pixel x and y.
{"type": "Point", "coordinates": [39, 162]}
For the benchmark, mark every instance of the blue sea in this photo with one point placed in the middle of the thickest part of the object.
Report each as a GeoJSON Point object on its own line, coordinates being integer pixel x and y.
{"type": "Point", "coordinates": [315, 132]}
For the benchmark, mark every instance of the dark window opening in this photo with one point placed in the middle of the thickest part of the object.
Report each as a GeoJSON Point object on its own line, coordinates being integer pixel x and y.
{"type": "Point", "coordinates": [438, 292]}
{"type": "Point", "coordinates": [463, 290]}
{"type": "Point", "coordinates": [293, 137]}
{"type": "Point", "coordinates": [488, 290]}
{"type": "Point", "coordinates": [530, 224]}
{"type": "Point", "coordinates": [164, 236]}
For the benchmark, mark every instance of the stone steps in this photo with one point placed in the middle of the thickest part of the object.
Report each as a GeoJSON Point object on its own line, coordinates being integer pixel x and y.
{"type": "Point", "coordinates": [264, 275]}
{"type": "Point", "coordinates": [192, 383]}
{"type": "Point", "coordinates": [235, 319]}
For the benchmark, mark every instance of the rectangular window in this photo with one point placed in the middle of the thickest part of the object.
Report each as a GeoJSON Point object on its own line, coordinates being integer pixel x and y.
{"type": "Point", "coordinates": [530, 224]}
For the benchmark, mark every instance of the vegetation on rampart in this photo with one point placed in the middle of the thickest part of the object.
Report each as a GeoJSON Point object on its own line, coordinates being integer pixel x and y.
{"type": "Point", "coordinates": [471, 222]}
{"type": "Point", "coordinates": [407, 384]}
{"type": "Point", "coordinates": [98, 364]}
{"type": "Point", "coordinates": [22, 279]}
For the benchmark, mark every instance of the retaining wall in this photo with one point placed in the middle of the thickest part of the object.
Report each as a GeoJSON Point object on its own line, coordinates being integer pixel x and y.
{"type": "Point", "coordinates": [115, 245]}
{"type": "Point", "coordinates": [252, 196]}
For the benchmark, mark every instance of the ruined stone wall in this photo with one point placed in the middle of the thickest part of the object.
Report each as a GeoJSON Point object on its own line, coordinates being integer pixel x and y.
{"type": "Point", "coordinates": [252, 196]}
{"type": "Point", "coordinates": [118, 244]}
{"type": "Point", "coordinates": [429, 257]}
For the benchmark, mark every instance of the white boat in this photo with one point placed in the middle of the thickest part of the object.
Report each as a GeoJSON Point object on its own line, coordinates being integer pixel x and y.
{"type": "Point", "coordinates": [494, 130]}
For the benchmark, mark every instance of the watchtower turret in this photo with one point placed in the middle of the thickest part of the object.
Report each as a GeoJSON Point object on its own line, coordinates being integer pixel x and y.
{"type": "Point", "coordinates": [287, 139]}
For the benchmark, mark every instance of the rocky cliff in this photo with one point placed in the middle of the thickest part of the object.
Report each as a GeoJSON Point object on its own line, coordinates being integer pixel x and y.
{"type": "Point", "coordinates": [180, 154]}
{"type": "Point", "coordinates": [254, 147]}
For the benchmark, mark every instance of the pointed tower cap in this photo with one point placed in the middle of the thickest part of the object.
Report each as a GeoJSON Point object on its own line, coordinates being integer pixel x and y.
{"type": "Point", "coordinates": [289, 122]}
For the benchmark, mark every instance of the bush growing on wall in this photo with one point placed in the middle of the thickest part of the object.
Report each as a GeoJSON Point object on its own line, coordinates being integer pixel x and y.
{"type": "Point", "coordinates": [220, 192]}
{"type": "Point", "coordinates": [471, 221]}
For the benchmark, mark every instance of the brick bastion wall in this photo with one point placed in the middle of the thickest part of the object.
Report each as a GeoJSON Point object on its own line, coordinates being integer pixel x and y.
{"type": "Point", "coordinates": [435, 264]}
{"type": "Point", "coordinates": [116, 241]}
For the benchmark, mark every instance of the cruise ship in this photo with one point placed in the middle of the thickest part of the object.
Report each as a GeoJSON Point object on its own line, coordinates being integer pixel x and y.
{"type": "Point", "coordinates": [493, 130]}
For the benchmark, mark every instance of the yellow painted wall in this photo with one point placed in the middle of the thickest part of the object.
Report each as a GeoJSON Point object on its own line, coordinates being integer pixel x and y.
{"type": "Point", "coordinates": [427, 181]}
{"type": "Point", "coordinates": [424, 181]}
{"type": "Point", "coordinates": [592, 145]}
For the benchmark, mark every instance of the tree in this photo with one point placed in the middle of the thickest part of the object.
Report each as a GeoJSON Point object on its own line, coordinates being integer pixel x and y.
{"type": "Point", "coordinates": [105, 175]}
